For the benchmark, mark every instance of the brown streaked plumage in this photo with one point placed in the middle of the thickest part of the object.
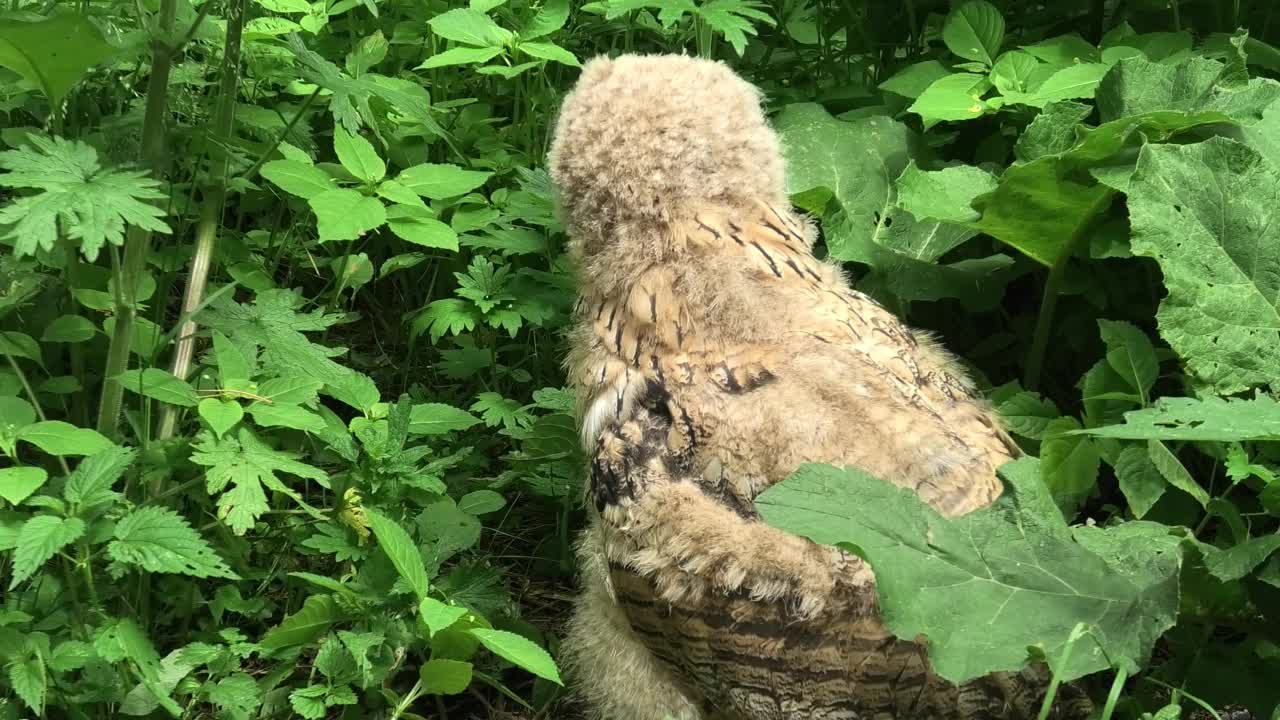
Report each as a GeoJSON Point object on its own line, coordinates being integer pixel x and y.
{"type": "Point", "coordinates": [713, 355]}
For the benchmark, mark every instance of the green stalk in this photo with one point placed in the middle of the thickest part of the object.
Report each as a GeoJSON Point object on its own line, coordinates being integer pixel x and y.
{"type": "Point", "coordinates": [211, 209]}
{"type": "Point", "coordinates": [1117, 686]}
{"type": "Point", "coordinates": [138, 241]}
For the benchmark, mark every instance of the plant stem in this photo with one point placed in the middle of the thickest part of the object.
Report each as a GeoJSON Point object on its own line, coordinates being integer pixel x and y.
{"type": "Point", "coordinates": [211, 210]}
{"type": "Point", "coordinates": [1117, 686]}
{"type": "Point", "coordinates": [1052, 285]}
{"type": "Point", "coordinates": [138, 241]}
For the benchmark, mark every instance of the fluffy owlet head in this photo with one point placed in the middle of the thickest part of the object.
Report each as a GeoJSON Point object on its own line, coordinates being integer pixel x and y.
{"type": "Point", "coordinates": [644, 139]}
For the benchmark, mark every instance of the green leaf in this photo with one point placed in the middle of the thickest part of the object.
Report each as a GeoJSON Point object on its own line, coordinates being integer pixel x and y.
{"type": "Point", "coordinates": [159, 385]}
{"type": "Point", "coordinates": [417, 227]}
{"type": "Point", "coordinates": [53, 53]}
{"type": "Point", "coordinates": [234, 362]}
{"type": "Point", "coordinates": [1027, 414]}
{"type": "Point", "coordinates": [15, 414]}
{"type": "Point", "coordinates": [481, 502]}
{"type": "Point", "coordinates": [469, 27]}
{"type": "Point", "coordinates": [1220, 260]}
{"type": "Point", "coordinates": [296, 178]}
{"type": "Point", "coordinates": [438, 418]}
{"type": "Point", "coordinates": [943, 194]}
{"type": "Point", "coordinates": [460, 56]}
{"type": "Point", "coordinates": [290, 416]}
{"type": "Point", "coordinates": [29, 680]}
{"type": "Point", "coordinates": [1075, 81]}
{"type": "Point", "coordinates": [91, 482]}
{"type": "Point", "coordinates": [518, 650]}
{"type": "Point", "coordinates": [1131, 354]}
{"type": "Point", "coordinates": [551, 17]}
{"type": "Point", "coordinates": [308, 702]}
{"type": "Point", "coordinates": [441, 181]}
{"type": "Point", "coordinates": [20, 345]}
{"type": "Point", "coordinates": [290, 390]}
{"type": "Point", "coordinates": [41, 538]}
{"type": "Point", "coordinates": [984, 587]}
{"type": "Point", "coordinates": [1140, 481]}
{"type": "Point", "coordinates": [62, 438]}
{"type": "Point", "coordinates": [1175, 472]}
{"type": "Point", "coordinates": [1240, 560]}
{"type": "Point", "coordinates": [549, 51]}
{"type": "Point", "coordinates": [439, 616]}
{"type": "Point", "coordinates": [1013, 71]}
{"type": "Point", "coordinates": [317, 615]}
{"type": "Point", "coordinates": [1052, 132]}
{"type": "Point", "coordinates": [19, 482]}
{"type": "Point", "coordinates": [1069, 49]}
{"type": "Point", "coordinates": [398, 546]}
{"type": "Point", "coordinates": [1069, 467]}
{"type": "Point", "coordinates": [912, 80]}
{"type": "Point", "coordinates": [247, 465]}
{"type": "Point", "coordinates": [445, 677]}
{"type": "Point", "coordinates": [93, 204]}
{"type": "Point", "coordinates": [69, 329]}
{"type": "Point", "coordinates": [160, 540]}
{"type": "Point", "coordinates": [345, 214]}
{"type": "Point", "coordinates": [358, 156]}
{"type": "Point", "coordinates": [974, 30]}
{"type": "Point", "coordinates": [1136, 86]}
{"type": "Point", "coordinates": [1210, 419]}
{"type": "Point", "coordinates": [953, 97]}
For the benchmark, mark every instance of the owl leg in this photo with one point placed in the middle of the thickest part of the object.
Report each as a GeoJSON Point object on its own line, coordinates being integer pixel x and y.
{"type": "Point", "coordinates": [606, 662]}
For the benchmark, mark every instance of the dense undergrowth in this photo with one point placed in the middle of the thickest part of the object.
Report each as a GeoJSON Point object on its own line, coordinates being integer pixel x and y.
{"type": "Point", "coordinates": [282, 307]}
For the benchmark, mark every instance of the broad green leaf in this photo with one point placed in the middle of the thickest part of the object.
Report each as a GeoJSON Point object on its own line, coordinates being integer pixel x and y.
{"type": "Point", "coordinates": [1069, 83]}
{"type": "Point", "coordinates": [1069, 49]}
{"type": "Point", "coordinates": [159, 385]}
{"type": "Point", "coordinates": [953, 97]}
{"type": "Point", "coordinates": [984, 587]}
{"type": "Point", "coordinates": [1209, 419]}
{"type": "Point", "coordinates": [439, 616]}
{"type": "Point", "coordinates": [290, 416]}
{"type": "Point", "coordinates": [438, 418]}
{"type": "Point", "coordinates": [1131, 354]}
{"type": "Point", "coordinates": [1027, 414]}
{"type": "Point", "coordinates": [481, 502]}
{"type": "Point", "coordinates": [41, 538]}
{"type": "Point", "coordinates": [518, 650]}
{"type": "Point", "coordinates": [1012, 71]}
{"type": "Point", "coordinates": [551, 17]}
{"type": "Point", "coordinates": [1264, 135]}
{"type": "Point", "coordinates": [261, 27]}
{"type": "Point", "coordinates": [160, 540]}
{"type": "Point", "coordinates": [297, 178]}
{"type": "Point", "coordinates": [418, 227]}
{"type": "Point", "coordinates": [91, 482]}
{"type": "Point", "coordinates": [345, 214]}
{"type": "Point", "coordinates": [1052, 132]}
{"type": "Point", "coordinates": [445, 677]}
{"type": "Point", "coordinates": [1140, 481]}
{"type": "Point", "coordinates": [943, 194]}
{"type": "Point", "coordinates": [371, 50]}
{"type": "Point", "coordinates": [354, 271]}
{"type": "Point", "coordinates": [398, 546]}
{"type": "Point", "coordinates": [1135, 86]}
{"type": "Point", "coordinates": [17, 483]}
{"type": "Point", "coordinates": [549, 51]}
{"type": "Point", "coordinates": [469, 27]}
{"type": "Point", "coordinates": [15, 414]}
{"type": "Point", "coordinates": [69, 329]}
{"type": "Point", "coordinates": [974, 30]}
{"type": "Point", "coordinates": [221, 415]}
{"type": "Point", "coordinates": [1175, 472]}
{"type": "Point", "coordinates": [1219, 257]}
{"type": "Point", "coordinates": [20, 345]}
{"type": "Point", "coordinates": [317, 615]}
{"type": "Point", "coordinates": [290, 390]}
{"type": "Point", "coordinates": [460, 56]}
{"type": "Point", "coordinates": [912, 80]}
{"type": "Point", "coordinates": [53, 53]}
{"type": "Point", "coordinates": [62, 438]}
{"type": "Point", "coordinates": [234, 361]}
{"type": "Point", "coordinates": [508, 71]}
{"type": "Point", "coordinates": [441, 181]}
{"type": "Point", "coordinates": [80, 198]}
{"type": "Point", "coordinates": [393, 191]}
{"type": "Point", "coordinates": [248, 465]}
{"type": "Point", "coordinates": [1069, 467]}
{"type": "Point", "coordinates": [1240, 560]}
{"type": "Point", "coordinates": [358, 156]}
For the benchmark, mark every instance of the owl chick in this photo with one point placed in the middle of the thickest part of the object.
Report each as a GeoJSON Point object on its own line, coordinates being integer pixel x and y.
{"type": "Point", "coordinates": [713, 354]}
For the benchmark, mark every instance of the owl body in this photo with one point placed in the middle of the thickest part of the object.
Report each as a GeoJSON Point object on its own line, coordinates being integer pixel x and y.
{"type": "Point", "coordinates": [713, 354]}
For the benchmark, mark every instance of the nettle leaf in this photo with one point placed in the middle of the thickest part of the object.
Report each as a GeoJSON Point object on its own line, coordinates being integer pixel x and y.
{"type": "Point", "coordinates": [1219, 257]}
{"type": "Point", "coordinates": [470, 27]}
{"type": "Point", "coordinates": [974, 30]}
{"type": "Point", "coordinates": [440, 181]}
{"type": "Point", "coordinates": [29, 680]}
{"type": "Point", "coordinates": [984, 587]}
{"type": "Point", "coordinates": [346, 214]}
{"type": "Point", "coordinates": [402, 550]}
{"type": "Point", "coordinates": [39, 540]}
{"type": "Point", "coordinates": [308, 702]}
{"type": "Point", "coordinates": [91, 482]}
{"type": "Point", "coordinates": [358, 156]}
{"type": "Point", "coordinates": [519, 651]}
{"type": "Point", "coordinates": [297, 178]}
{"type": "Point", "coordinates": [159, 385]}
{"type": "Point", "coordinates": [160, 540]}
{"type": "Point", "coordinates": [93, 203]}
{"type": "Point", "coordinates": [247, 464]}
{"type": "Point", "coordinates": [313, 620]}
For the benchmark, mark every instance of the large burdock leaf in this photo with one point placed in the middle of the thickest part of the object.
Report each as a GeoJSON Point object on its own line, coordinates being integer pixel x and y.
{"type": "Point", "coordinates": [984, 587]}
{"type": "Point", "coordinates": [1209, 213]}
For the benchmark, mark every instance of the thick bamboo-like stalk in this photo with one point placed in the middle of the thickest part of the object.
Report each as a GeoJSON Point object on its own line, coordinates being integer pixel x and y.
{"type": "Point", "coordinates": [211, 210]}
{"type": "Point", "coordinates": [138, 241]}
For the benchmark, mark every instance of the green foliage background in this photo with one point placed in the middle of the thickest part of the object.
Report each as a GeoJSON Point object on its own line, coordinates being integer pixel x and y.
{"type": "Point", "coordinates": [282, 403]}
